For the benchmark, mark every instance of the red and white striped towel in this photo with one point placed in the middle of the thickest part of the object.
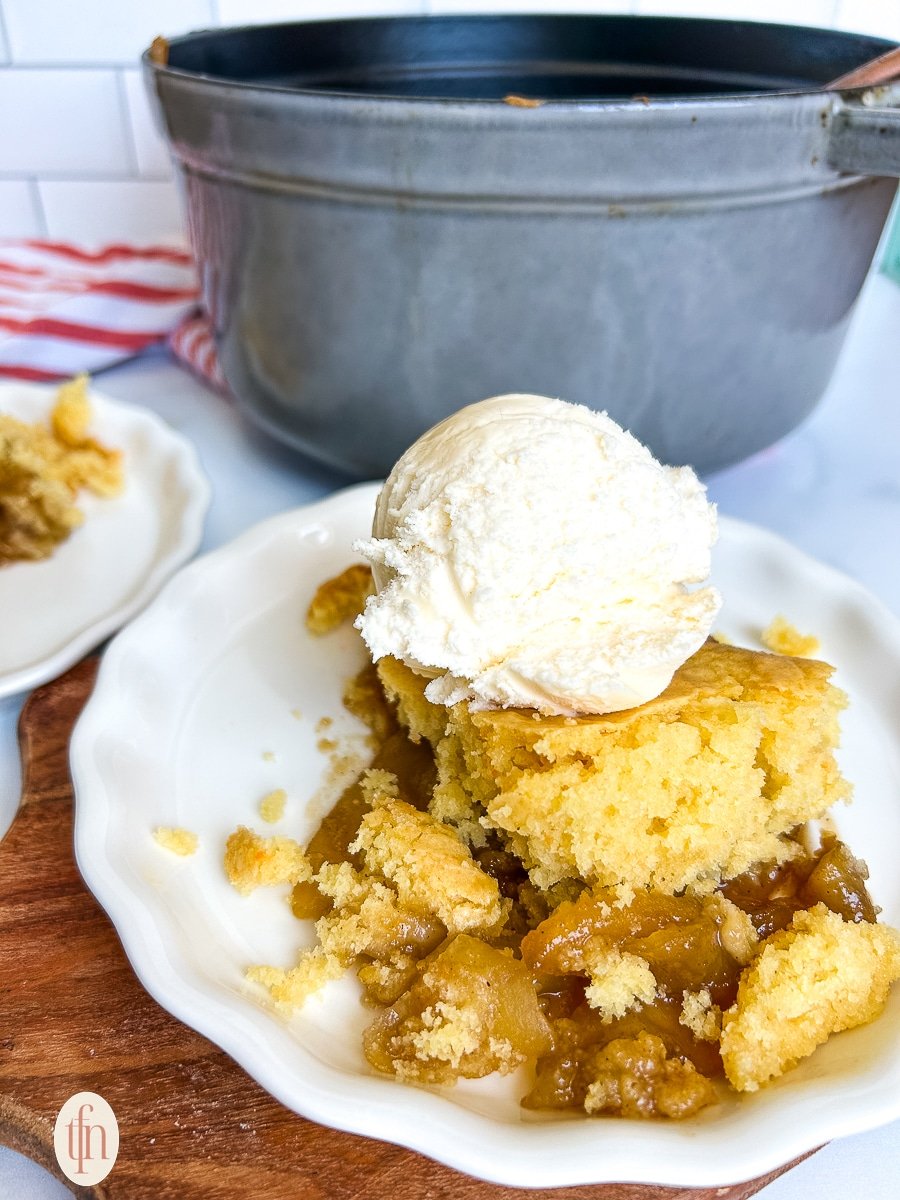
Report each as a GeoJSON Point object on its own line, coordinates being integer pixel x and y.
{"type": "Point", "coordinates": [194, 344]}
{"type": "Point", "coordinates": [64, 310]}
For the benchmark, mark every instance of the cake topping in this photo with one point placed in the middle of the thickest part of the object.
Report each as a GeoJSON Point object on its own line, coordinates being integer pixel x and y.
{"type": "Point", "coordinates": [532, 553]}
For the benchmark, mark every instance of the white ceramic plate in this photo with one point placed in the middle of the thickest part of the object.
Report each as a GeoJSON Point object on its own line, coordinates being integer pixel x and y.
{"type": "Point", "coordinates": [54, 611]}
{"type": "Point", "coordinates": [194, 718]}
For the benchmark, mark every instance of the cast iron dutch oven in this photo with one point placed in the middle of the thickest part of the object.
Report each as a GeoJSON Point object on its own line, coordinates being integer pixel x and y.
{"type": "Point", "coordinates": [669, 219]}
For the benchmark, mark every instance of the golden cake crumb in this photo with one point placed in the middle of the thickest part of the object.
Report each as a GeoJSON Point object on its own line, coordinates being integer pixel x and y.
{"type": "Point", "coordinates": [701, 1016]}
{"type": "Point", "coordinates": [447, 1032]}
{"type": "Point", "coordinates": [339, 600]}
{"type": "Point", "coordinates": [292, 987]}
{"type": "Point", "coordinates": [819, 976]}
{"type": "Point", "coordinates": [271, 807]}
{"type": "Point", "coordinates": [618, 981]}
{"type": "Point", "coordinates": [781, 637]}
{"type": "Point", "coordinates": [379, 786]}
{"type": "Point", "coordinates": [176, 840]}
{"type": "Point", "coordinates": [252, 861]}
{"type": "Point", "coordinates": [366, 921]}
{"type": "Point", "coordinates": [429, 867]}
{"type": "Point", "coordinates": [406, 691]}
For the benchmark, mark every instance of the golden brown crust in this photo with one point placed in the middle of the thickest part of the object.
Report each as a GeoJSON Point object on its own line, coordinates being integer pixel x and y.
{"type": "Point", "coordinates": [339, 600]}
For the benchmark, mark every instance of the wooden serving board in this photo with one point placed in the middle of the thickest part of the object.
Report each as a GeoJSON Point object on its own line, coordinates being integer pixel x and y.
{"type": "Point", "coordinates": [193, 1125]}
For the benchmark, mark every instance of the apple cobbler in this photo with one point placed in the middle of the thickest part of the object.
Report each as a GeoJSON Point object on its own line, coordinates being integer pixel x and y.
{"type": "Point", "coordinates": [42, 470]}
{"type": "Point", "coordinates": [628, 903]}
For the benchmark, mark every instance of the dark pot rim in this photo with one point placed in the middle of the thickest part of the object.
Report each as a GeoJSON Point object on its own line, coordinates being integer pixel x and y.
{"type": "Point", "coordinates": [834, 52]}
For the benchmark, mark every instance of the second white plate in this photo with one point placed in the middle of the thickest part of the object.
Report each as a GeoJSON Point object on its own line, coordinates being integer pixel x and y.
{"type": "Point", "coordinates": [211, 699]}
{"type": "Point", "coordinates": [54, 611]}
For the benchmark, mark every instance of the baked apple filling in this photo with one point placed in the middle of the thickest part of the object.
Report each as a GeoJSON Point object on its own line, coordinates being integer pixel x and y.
{"type": "Point", "coordinates": [626, 904]}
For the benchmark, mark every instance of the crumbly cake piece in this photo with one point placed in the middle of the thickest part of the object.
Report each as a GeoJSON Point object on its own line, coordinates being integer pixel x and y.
{"type": "Point", "coordinates": [338, 600]}
{"type": "Point", "coordinates": [781, 637]}
{"type": "Point", "coordinates": [618, 981]}
{"type": "Point", "coordinates": [819, 976]}
{"type": "Point", "coordinates": [416, 883]}
{"type": "Point", "coordinates": [272, 805]}
{"type": "Point", "coordinates": [368, 918]}
{"type": "Point", "coordinates": [42, 469]}
{"type": "Point", "coordinates": [291, 988]}
{"type": "Point", "coordinates": [406, 691]}
{"type": "Point", "coordinates": [252, 861]}
{"type": "Point", "coordinates": [428, 866]}
{"type": "Point", "coordinates": [690, 788]}
{"type": "Point", "coordinates": [701, 1016]}
{"type": "Point", "coordinates": [176, 840]}
{"type": "Point", "coordinates": [79, 459]}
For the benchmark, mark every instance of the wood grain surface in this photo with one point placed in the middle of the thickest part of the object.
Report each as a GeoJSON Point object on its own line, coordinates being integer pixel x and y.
{"type": "Point", "coordinates": [193, 1125]}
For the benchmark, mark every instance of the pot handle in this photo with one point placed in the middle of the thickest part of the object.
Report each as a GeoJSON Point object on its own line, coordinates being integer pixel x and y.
{"type": "Point", "coordinates": [864, 134]}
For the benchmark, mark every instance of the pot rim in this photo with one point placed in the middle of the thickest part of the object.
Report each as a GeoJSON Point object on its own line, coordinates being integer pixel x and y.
{"type": "Point", "coordinates": [558, 105]}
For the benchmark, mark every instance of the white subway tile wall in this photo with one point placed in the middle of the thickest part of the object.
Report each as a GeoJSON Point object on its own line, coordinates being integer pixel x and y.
{"type": "Point", "coordinates": [95, 31]}
{"type": "Point", "coordinates": [536, 6]}
{"type": "Point", "coordinates": [19, 207]}
{"type": "Point", "coordinates": [93, 211]}
{"type": "Point", "coordinates": [260, 12]}
{"type": "Point", "coordinates": [150, 149]}
{"type": "Point", "coordinates": [798, 12]}
{"type": "Point", "coordinates": [60, 121]}
{"type": "Point", "coordinates": [80, 155]}
{"type": "Point", "coordinates": [878, 17]}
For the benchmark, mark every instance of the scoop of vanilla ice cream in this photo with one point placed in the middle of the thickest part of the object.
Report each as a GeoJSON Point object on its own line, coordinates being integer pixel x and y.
{"type": "Point", "coordinates": [532, 553]}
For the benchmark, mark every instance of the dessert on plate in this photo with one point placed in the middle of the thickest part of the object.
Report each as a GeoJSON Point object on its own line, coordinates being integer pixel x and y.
{"type": "Point", "coordinates": [586, 843]}
{"type": "Point", "coordinates": [42, 469]}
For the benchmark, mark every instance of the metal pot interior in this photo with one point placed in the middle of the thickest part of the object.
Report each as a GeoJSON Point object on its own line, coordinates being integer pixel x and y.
{"type": "Point", "coordinates": [575, 58]}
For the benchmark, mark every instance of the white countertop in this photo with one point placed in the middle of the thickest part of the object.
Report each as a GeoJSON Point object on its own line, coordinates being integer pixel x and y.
{"type": "Point", "coordinates": [832, 488]}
